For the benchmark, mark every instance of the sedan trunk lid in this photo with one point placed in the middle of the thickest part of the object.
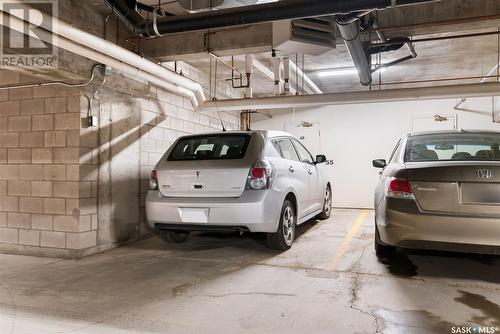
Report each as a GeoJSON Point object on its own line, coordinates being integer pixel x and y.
{"type": "Point", "coordinates": [458, 188]}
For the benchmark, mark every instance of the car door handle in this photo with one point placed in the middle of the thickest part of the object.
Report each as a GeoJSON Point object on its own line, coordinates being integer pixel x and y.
{"type": "Point", "coordinates": [291, 169]}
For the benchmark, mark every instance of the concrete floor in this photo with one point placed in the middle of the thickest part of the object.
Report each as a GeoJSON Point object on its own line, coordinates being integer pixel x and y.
{"type": "Point", "coordinates": [329, 282]}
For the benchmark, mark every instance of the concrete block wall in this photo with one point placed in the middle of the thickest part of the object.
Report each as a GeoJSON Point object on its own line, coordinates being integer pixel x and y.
{"type": "Point", "coordinates": [39, 163]}
{"type": "Point", "coordinates": [68, 189]}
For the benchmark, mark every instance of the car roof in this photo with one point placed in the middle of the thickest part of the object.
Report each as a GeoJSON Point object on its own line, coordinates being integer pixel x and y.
{"type": "Point", "coordinates": [452, 132]}
{"type": "Point", "coordinates": [266, 133]}
{"type": "Point", "coordinates": [274, 133]}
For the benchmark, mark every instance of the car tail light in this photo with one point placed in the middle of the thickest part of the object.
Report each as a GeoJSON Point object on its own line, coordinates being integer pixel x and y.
{"type": "Point", "coordinates": [153, 180]}
{"type": "Point", "coordinates": [261, 175]}
{"type": "Point", "coordinates": [399, 188]}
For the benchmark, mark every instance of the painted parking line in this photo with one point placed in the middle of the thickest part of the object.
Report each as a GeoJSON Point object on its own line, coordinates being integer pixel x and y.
{"type": "Point", "coordinates": [347, 240]}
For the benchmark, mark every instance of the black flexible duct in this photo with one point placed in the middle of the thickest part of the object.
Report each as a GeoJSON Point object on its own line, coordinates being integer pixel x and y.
{"type": "Point", "coordinates": [127, 12]}
{"type": "Point", "coordinates": [395, 43]}
{"type": "Point", "coordinates": [267, 12]}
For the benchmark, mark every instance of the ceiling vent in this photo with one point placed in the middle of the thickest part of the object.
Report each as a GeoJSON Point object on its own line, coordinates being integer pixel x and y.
{"type": "Point", "coordinates": [199, 4]}
{"type": "Point", "coordinates": [203, 5]}
{"type": "Point", "coordinates": [312, 36]}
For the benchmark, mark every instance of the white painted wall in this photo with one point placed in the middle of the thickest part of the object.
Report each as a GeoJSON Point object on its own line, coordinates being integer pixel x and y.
{"type": "Point", "coordinates": [353, 135]}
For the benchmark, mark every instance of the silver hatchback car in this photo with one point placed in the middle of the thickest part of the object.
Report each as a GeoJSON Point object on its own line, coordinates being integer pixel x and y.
{"type": "Point", "coordinates": [247, 181]}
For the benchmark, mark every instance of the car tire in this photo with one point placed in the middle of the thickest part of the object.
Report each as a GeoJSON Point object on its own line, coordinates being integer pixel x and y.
{"type": "Point", "coordinates": [174, 237]}
{"type": "Point", "coordinates": [382, 251]}
{"type": "Point", "coordinates": [327, 205]}
{"type": "Point", "coordinates": [283, 238]}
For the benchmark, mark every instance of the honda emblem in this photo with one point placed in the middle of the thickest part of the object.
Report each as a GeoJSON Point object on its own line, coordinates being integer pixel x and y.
{"type": "Point", "coordinates": [484, 173]}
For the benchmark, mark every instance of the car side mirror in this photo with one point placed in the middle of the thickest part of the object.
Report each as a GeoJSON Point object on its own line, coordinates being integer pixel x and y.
{"type": "Point", "coordinates": [379, 163]}
{"type": "Point", "coordinates": [320, 158]}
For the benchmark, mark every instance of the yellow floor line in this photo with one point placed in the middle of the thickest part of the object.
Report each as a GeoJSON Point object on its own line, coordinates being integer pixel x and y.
{"type": "Point", "coordinates": [347, 240]}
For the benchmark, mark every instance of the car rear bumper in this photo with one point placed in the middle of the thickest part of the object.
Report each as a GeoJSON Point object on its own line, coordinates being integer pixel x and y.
{"type": "Point", "coordinates": [412, 229]}
{"type": "Point", "coordinates": [200, 227]}
{"type": "Point", "coordinates": [255, 211]}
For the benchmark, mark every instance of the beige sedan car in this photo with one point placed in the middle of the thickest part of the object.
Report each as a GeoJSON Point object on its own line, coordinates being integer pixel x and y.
{"type": "Point", "coordinates": [440, 191]}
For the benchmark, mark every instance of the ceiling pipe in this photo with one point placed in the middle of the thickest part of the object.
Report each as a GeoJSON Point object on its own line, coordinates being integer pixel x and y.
{"type": "Point", "coordinates": [263, 69]}
{"type": "Point", "coordinates": [286, 76]}
{"type": "Point", "coordinates": [350, 29]}
{"type": "Point", "coordinates": [110, 49]}
{"type": "Point", "coordinates": [71, 46]}
{"type": "Point", "coordinates": [267, 12]}
{"type": "Point", "coordinates": [249, 72]}
{"type": "Point", "coordinates": [375, 96]}
{"type": "Point", "coordinates": [267, 72]}
{"type": "Point", "coordinates": [277, 75]}
{"type": "Point", "coordinates": [311, 87]}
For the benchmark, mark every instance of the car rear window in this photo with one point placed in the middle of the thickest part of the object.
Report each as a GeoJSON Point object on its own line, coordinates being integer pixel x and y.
{"type": "Point", "coordinates": [210, 147]}
{"type": "Point", "coordinates": [453, 147]}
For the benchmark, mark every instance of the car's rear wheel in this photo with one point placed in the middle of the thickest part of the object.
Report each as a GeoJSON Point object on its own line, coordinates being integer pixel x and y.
{"type": "Point", "coordinates": [382, 250]}
{"type": "Point", "coordinates": [174, 237]}
{"type": "Point", "coordinates": [327, 205]}
{"type": "Point", "coordinates": [283, 238]}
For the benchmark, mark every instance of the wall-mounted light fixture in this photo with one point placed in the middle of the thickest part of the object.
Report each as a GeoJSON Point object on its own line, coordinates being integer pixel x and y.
{"type": "Point", "coordinates": [305, 124]}
{"type": "Point", "coordinates": [439, 118]}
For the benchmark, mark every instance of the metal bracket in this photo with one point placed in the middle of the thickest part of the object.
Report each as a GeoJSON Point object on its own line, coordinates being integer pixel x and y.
{"type": "Point", "coordinates": [155, 26]}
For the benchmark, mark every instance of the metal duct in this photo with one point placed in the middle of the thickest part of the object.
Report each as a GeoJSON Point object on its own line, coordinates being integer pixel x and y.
{"type": "Point", "coordinates": [267, 12]}
{"type": "Point", "coordinates": [349, 29]}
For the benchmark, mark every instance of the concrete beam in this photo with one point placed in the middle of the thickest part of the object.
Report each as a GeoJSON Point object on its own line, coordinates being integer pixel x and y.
{"type": "Point", "coordinates": [438, 17]}
{"type": "Point", "coordinates": [373, 96]}
{"type": "Point", "coordinates": [243, 40]}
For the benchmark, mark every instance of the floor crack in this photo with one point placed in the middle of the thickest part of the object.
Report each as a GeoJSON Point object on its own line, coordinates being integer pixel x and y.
{"type": "Point", "coordinates": [354, 291]}
{"type": "Point", "coordinates": [354, 299]}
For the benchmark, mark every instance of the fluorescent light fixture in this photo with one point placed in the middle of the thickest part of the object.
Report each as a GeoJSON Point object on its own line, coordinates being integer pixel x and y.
{"type": "Point", "coordinates": [266, 1]}
{"type": "Point", "coordinates": [336, 72]}
{"type": "Point", "coordinates": [344, 71]}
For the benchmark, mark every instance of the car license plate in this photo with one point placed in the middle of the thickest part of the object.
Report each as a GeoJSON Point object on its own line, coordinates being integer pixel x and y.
{"type": "Point", "coordinates": [194, 215]}
{"type": "Point", "coordinates": [481, 193]}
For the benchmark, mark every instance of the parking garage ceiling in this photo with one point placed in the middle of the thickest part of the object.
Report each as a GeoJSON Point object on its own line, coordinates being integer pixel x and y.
{"type": "Point", "coordinates": [439, 31]}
